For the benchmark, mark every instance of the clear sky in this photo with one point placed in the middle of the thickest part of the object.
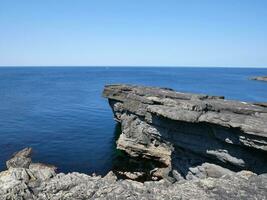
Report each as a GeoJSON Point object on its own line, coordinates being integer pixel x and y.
{"type": "Point", "coordinates": [134, 32]}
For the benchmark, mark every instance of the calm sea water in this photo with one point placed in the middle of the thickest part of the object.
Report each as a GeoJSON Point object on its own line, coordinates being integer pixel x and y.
{"type": "Point", "coordinates": [61, 114]}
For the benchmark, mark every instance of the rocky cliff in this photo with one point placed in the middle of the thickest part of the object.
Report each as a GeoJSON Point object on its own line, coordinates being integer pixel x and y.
{"type": "Point", "coordinates": [193, 135]}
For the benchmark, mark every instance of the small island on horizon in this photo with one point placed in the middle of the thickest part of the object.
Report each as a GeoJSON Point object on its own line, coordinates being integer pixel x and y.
{"type": "Point", "coordinates": [259, 78]}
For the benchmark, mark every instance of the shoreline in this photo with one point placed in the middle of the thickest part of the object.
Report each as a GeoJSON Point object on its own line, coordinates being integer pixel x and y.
{"type": "Point", "coordinates": [26, 180]}
{"type": "Point", "coordinates": [204, 147]}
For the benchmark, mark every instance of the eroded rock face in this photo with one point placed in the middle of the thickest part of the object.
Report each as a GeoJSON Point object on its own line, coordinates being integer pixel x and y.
{"type": "Point", "coordinates": [20, 159]}
{"type": "Point", "coordinates": [40, 181]}
{"type": "Point", "coordinates": [194, 135]}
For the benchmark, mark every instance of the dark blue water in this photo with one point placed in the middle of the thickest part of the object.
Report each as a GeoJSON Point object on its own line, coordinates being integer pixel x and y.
{"type": "Point", "coordinates": [61, 114]}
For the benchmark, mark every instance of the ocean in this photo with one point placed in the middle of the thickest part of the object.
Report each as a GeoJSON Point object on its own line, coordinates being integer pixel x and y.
{"type": "Point", "coordinates": [59, 111]}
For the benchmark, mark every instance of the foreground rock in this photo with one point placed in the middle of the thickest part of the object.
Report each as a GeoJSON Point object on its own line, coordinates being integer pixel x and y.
{"type": "Point", "coordinates": [39, 181]}
{"type": "Point", "coordinates": [259, 78]}
{"type": "Point", "coordinates": [21, 159]}
{"type": "Point", "coordinates": [193, 135]}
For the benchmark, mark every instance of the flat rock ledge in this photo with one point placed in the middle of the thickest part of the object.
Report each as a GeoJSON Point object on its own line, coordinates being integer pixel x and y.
{"type": "Point", "coordinates": [259, 78]}
{"type": "Point", "coordinates": [193, 135]}
{"type": "Point", "coordinates": [26, 180]}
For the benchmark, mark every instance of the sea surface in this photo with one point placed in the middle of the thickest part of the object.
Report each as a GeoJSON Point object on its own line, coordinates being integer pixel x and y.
{"type": "Point", "coordinates": [59, 111]}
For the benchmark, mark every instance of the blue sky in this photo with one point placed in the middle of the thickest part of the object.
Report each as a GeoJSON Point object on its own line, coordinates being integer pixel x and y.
{"type": "Point", "coordinates": [133, 32]}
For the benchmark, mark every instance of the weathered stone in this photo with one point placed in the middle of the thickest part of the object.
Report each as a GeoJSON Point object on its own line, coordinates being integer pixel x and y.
{"type": "Point", "coordinates": [132, 175]}
{"type": "Point", "coordinates": [15, 183]}
{"type": "Point", "coordinates": [20, 159]}
{"type": "Point", "coordinates": [199, 136]}
{"type": "Point", "coordinates": [42, 171]}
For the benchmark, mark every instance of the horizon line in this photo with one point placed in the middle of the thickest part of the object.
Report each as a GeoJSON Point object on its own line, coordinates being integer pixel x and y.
{"type": "Point", "coordinates": [134, 66]}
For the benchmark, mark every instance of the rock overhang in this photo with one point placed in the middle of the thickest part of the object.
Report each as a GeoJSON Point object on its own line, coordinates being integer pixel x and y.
{"type": "Point", "coordinates": [226, 132]}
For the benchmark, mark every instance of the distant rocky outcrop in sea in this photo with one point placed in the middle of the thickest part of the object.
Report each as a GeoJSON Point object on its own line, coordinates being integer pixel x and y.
{"type": "Point", "coordinates": [259, 78]}
{"type": "Point", "coordinates": [203, 147]}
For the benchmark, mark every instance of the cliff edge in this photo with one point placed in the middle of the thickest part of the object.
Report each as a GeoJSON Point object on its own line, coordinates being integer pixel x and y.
{"type": "Point", "coordinates": [193, 135]}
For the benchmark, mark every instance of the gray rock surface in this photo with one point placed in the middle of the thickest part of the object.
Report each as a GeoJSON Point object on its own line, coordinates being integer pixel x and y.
{"type": "Point", "coordinates": [20, 159]}
{"type": "Point", "coordinates": [194, 135]}
{"type": "Point", "coordinates": [40, 182]}
{"type": "Point", "coordinates": [259, 78]}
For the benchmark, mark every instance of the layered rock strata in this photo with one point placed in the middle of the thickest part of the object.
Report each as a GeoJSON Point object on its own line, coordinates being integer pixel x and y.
{"type": "Point", "coordinates": [193, 135]}
{"type": "Point", "coordinates": [34, 181]}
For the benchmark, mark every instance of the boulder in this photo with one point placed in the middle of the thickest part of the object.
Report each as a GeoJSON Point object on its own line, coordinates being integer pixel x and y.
{"type": "Point", "coordinates": [20, 159]}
